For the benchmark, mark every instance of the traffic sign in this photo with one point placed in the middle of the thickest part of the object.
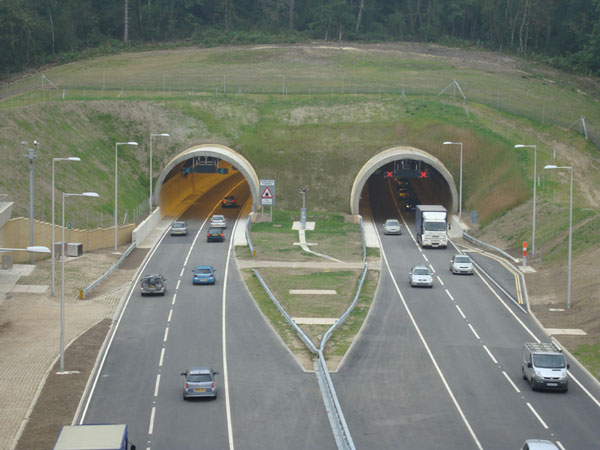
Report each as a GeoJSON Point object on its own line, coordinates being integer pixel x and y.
{"type": "Point", "coordinates": [267, 192]}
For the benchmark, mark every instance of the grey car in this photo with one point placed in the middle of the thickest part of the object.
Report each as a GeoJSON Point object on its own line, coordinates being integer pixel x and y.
{"type": "Point", "coordinates": [199, 382]}
{"type": "Point", "coordinates": [538, 444]}
{"type": "Point", "coordinates": [461, 264]}
{"type": "Point", "coordinates": [420, 276]}
{"type": "Point", "coordinates": [392, 226]}
{"type": "Point", "coordinates": [179, 228]}
{"type": "Point", "coordinates": [153, 284]}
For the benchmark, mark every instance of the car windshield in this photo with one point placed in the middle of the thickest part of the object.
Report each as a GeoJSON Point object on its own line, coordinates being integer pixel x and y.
{"type": "Point", "coordinates": [152, 280]}
{"type": "Point", "coordinates": [462, 259]}
{"type": "Point", "coordinates": [392, 223]}
{"type": "Point", "coordinates": [549, 361]}
{"type": "Point", "coordinates": [435, 226]}
{"type": "Point", "coordinates": [214, 231]}
{"type": "Point", "coordinates": [202, 270]}
{"type": "Point", "coordinates": [200, 378]}
{"type": "Point", "coordinates": [178, 225]}
{"type": "Point", "coordinates": [421, 271]}
{"type": "Point", "coordinates": [218, 218]}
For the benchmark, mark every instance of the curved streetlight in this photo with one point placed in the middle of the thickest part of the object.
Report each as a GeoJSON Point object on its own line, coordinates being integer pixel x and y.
{"type": "Point", "coordinates": [461, 159]}
{"type": "Point", "coordinates": [151, 136]}
{"type": "Point", "coordinates": [62, 277]}
{"type": "Point", "coordinates": [116, 184]}
{"type": "Point", "coordinates": [570, 168]}
{"type": "Point", "coordinates": [70, 158]}
{"type": "Point", "coordinates": [534, 147]}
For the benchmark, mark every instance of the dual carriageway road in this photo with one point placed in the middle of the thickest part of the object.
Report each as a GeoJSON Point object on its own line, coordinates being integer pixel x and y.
{"type": "Point", "coordinates": [432, 368]}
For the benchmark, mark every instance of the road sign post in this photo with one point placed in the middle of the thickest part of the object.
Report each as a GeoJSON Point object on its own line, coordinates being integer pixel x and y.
{"type": "Point", "coordinates": [267, 195]}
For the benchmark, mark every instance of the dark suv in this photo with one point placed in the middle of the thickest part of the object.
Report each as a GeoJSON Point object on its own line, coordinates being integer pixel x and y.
{"type": "Point", "coordinates": [228, 202]}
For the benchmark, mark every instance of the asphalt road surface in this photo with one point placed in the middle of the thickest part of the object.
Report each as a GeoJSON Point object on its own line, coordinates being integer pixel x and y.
{"type": "Point", "coordinates": [265, 399]}
{"type": "Point", "coordinates": [441, 367]}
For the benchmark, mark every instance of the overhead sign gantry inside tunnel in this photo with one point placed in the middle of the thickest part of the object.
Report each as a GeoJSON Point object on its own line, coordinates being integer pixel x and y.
{"type": "Point", "coordinates": [198, 169]}
{"type": "Point", "coordinates": [432, 179]}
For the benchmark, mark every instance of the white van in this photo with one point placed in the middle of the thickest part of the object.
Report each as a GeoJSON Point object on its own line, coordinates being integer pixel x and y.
{"type": "Point", "coordinates": [544, 366]}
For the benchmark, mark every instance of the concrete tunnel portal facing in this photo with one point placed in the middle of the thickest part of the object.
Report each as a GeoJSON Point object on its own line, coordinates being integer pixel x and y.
{"type": "Point", "coordinates": [396, 154]}
{"type": "Point", "coordinates": [215, 151]}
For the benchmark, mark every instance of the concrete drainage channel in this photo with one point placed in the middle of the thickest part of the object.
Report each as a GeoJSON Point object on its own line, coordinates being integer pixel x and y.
{"type": "Point", "coordinates": [332, 405]}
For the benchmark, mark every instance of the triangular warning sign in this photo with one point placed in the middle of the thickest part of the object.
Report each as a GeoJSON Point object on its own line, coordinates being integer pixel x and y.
{"type": "Point", "coordinates": [266, 193]}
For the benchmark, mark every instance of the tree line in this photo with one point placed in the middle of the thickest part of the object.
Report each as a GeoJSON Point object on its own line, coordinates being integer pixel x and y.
{"type": "Point", "coordinates": [34, 32]}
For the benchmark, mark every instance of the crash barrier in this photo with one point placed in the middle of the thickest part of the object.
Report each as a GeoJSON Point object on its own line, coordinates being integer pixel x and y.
{"type": "Point", "coordinates": [510, 258]}
{"type": "Point", "coordinates": [125, 254]}
{"type": "Point", "coordinates": [484, 244]}
{"type": "Point", "coordinates": [248, 224]}
{"type": "Point", "coordinates": [336, 416]}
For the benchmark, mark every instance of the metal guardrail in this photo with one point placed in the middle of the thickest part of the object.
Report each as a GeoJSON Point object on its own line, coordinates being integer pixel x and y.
{"type": "Point", "coordinates": [339, 426]}
{"type": "Point", "coordinates": [248, 223]}
{"type": "Point", "coordinates": [301, 334]}
{"type": "Point", "coordinates": [111, 270]}
{"type": "Point", "coordinates": [470, 238]}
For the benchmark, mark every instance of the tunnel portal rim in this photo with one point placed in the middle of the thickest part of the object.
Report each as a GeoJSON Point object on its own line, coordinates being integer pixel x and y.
{"type": "Point", "coordinates": [395, 154]}
{"type": "Point", "coordinates": [217, 151]}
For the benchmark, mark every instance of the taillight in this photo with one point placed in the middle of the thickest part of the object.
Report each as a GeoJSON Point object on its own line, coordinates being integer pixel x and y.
{"type": "Point", "coordinates": [221, 235]}
{"type": "Point", "coordinates": [207, 234]}
{"type": "Point", "coordinates": [185, 385]}
{"type": "Point", "coordinates": [211, 276]}
{"type": "Point", "coordinates": [213, 385]}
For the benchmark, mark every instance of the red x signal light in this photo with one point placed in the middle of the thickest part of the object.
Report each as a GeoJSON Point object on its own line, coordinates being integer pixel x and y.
{"type": "Point", "coordinates": [389, 174]}
{"type": "Point", "coordinates": [423, 174]}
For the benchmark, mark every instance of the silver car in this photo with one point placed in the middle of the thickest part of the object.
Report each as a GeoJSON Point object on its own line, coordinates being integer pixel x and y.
{"type": "Point", "coordinates": [538, 444]}
{"type": "Point", "coordinates": [199, 382]}
{"type": "Point", "coordinates": [420, 276]}
{"type": "Point", "coordinates": [461, 264]}
{"type": "Point", "coordinates": [218, 221]}
{"type": "Point", "coordinates": [153, 284]}
{"type": "Point", "coordinates": [392, 226]}
{"type": "Point", "coordinates": [179, 228]}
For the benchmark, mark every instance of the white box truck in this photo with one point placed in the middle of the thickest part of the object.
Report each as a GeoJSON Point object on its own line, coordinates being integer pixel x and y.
{"type": "Point", "coordinates": [431, 225]}
{"type": "Point", "coordinates": [93, 437]}
{"type": "Point", "coordinates": [544, 366]}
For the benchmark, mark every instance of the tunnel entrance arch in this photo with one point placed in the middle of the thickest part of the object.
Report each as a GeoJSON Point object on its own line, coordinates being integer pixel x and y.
{"type": "Point", "coordinates": [214, 151]}
{"type": "Point", "coordinates": [395, 154]}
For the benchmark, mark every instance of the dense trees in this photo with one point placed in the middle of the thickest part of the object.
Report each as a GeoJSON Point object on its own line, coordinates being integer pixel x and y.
{"type": "Point", "coordinates": [36, 31]}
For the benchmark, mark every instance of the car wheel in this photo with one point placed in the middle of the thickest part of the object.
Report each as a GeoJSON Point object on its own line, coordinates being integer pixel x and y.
{"type": "Point", "coordinates": [215, 397]}
{"type": "Point", "coordinates": [532, 384]}
{"type": "Point", "coordinates": [523, 372]}
{"type": "Point", "coordinates": [566, 389]}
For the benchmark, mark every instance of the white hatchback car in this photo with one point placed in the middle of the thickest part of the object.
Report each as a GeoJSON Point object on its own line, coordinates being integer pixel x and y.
{"type": "Point", "coordinates": [218, 221]}
{"type": "Point", "coordinates": [420, 276]}
{"type": "Point", "coordinates": [461, 264]}
{"type": "Point", "coordinates": [392, 226]}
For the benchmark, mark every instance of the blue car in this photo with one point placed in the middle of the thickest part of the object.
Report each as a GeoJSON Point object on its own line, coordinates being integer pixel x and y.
{"type": "Point", "coordinates": [204, 275]}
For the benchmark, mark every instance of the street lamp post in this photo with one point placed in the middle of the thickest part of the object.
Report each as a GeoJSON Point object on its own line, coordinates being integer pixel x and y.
{"type": "Point", "coordinates": [534, 192]}
{"type": "Point", "coordinates": [151, 136]}
{"type": "Point", "coordinates": [570, 168]}
{"type": "Point", "coordinates": [116, 185]}
{"type": "Point", "coordinates": [460, 184]}
{"type": "Point", "coordinates": [31, 156]}
{"type": "Point", "coordinates": [70, 158]}
{"type": "Point", "coordinates": [303, 210]}
{"type": "Point", "coordinates": [62, 278]}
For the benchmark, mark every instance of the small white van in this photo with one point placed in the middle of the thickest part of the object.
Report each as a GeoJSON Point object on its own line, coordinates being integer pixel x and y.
{"type": "Point", "coordinates": [544, 366]}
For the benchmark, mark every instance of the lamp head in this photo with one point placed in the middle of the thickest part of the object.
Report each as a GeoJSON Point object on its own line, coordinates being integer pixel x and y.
{"type": "Point", "coordinates": [165, 135]}
{"type": "Point", "coordinates": [38, 249]}
{"type": "Point", "coordinates": [132, 143]}
{"type": "Point", "coordinates": [447, 142]}
{"type": "Point", "coordinates": [90, 194]}
{"type": "Point", "coordinates": [550, 166]}
{"type": "Point", "coordinates": [73, 158]}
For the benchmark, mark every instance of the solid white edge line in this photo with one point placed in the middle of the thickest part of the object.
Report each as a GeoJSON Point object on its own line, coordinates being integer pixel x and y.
{"type": "Point", "coordinates": [162, 357]}
{"type": "Point", "coordinates": [433, 360]}
{"type": "Point", "coordinates": [511, 382]}
{"type": "Point", "coordinates": [449, 294]}
{"type": "Point", "coordinates": [157, 384]}
{"type": "Point", "coordinates": [537, 415]}
{"type": "Point", "coordinates": [490, 354]}
{"type": "Point", "coordinates": [224, 339]}
{"type": "Point", "coordinates": [474, 332]}
{"type": "Point", "coordinates": [166, 334]}
{"type": "Point", "coordinates": [460, 311]}
{"type": "Point", "coordinates": [534, 337]}
{"type": "Point", "coordinates": [91, 393]}
{"type": "Point", "coordinates": [151, 426]}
